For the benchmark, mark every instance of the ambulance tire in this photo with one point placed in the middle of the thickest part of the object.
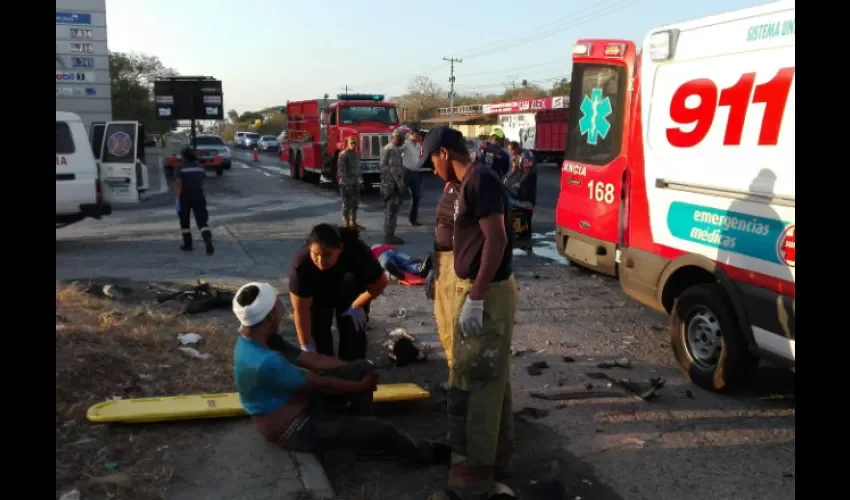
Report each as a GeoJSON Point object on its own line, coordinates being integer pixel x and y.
{"type": "Point", "coordinates": [735, 364]}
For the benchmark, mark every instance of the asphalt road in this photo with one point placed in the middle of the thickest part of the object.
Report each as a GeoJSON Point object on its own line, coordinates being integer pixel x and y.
{"type": "Point", "coordinates": [687, 444]}
{"type": "Point", "coordinates": [548, 189]}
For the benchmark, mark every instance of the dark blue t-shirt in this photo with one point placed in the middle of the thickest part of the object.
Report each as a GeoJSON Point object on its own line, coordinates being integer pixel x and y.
{"type": "Point", "coordinates": [191, 177]}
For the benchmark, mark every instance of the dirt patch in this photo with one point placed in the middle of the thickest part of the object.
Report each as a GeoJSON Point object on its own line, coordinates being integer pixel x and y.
{"type": "Point", "coordinates": [107, 348]}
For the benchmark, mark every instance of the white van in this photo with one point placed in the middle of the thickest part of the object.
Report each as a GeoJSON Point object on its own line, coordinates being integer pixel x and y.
{"type": "Point", "coordinates": [79, 193]}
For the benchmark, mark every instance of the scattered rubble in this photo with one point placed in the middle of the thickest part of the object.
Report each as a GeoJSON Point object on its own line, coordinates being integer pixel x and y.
{"type": "Point", "coordinates": [535, 369]}
{"type": "Point", "coordinates": [532, 412]}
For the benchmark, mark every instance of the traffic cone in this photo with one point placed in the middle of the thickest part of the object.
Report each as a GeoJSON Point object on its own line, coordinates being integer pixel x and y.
{"type": "Point", "coordinates": [256, 158]}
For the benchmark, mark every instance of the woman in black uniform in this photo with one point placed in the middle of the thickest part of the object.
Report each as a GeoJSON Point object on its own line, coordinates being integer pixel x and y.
{"type": "Point", "coordinates": [335, 275]}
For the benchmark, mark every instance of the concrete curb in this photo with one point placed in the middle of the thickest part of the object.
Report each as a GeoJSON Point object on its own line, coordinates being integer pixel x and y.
{"type": "Point", "coordinates": [312, 476]}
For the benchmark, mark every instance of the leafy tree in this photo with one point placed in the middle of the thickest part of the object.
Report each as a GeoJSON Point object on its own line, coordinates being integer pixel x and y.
{"type": "Point", "coordinates": [233, 115]}
{"type": "Point", "coordinates": [132, 76]}
{"type": "Point", "coordinates": [250, 116]}
{"type": "Point", "coordinates": [561, 87]}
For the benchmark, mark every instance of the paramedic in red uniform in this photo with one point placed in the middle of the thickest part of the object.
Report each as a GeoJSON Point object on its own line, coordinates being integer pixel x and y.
{"type": "Point", "coordinates": [334, 276]}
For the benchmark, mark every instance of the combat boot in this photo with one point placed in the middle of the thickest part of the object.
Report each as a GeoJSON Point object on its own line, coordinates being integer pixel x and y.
{"type": "Point", "coordinates": [207, 236]}
{"type": "Point", "coordinates": [187, 242]}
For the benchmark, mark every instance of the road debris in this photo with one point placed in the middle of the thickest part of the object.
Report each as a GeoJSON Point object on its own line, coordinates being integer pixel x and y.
{"type": "Point", "coordinates": [569, 395]}
{"type": "Point", "coordinates": [642, 391]}
{"type": "Point", "coordinates": [569, 359]}
{"type": "Point", "coordinates": [618, 363]}
{"type": "Point", "coordinates": [405, 349]}
{"type": "Point", "coordinates": [71, 495]}
{"type": "Point", "coordinates": [532, 412]}
{"type": "Point", "coordinates": [201, 298]}
{"type": "Point", "coordinates": [116, 292]}
{"type": "Point", "coordinates": [188, 338]}
{"type": "Point", "coordinates": [535, 369]}
{"type": "Point", "coordinates": [193, 353]}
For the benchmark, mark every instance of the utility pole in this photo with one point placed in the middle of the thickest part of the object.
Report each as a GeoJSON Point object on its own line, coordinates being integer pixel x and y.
{"type": "Point", "coordinates": [452, 62]}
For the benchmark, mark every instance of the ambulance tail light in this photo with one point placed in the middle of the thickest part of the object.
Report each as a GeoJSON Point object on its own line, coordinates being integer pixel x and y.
{"type": "Point", "coordinates": [615, 50]}
{"type": "Point", "coordinates": [662, 44]}
{"type": "Point", "coordinates": [581, 49]}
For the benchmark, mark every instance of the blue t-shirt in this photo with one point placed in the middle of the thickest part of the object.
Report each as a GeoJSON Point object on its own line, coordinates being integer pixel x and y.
{"type": "Point", "coordinates": [264, 379]}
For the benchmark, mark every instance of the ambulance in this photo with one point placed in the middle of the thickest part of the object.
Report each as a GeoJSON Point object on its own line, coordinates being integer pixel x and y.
{"type": "Point", "coordinates": [698, 183]}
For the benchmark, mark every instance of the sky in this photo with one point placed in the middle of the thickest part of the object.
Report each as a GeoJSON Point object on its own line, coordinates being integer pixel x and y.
{"type": "Point", "coordinates": [266, 52]}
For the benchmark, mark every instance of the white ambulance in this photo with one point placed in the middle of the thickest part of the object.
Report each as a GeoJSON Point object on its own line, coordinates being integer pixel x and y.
{"type": "Point", "coordinates": [708, 223]}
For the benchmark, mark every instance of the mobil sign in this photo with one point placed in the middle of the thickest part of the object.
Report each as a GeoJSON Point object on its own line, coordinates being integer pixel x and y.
{"type": "Point", "coordinates": [74, 76]}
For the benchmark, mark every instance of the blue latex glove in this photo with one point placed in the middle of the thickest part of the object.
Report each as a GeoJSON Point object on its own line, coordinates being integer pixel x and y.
{"type": "Point", "coordinates": [177, 204]}
{"type": "Point", "coordinates": [358, 317]}
{"type": "Point", "coordinates": [308, 348]}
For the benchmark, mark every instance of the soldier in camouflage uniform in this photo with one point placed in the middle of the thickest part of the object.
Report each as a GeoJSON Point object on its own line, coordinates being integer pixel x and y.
{"type": "Point", "coordinates": [393, 190]}
{"type": "Point", "coordinates": [348, 167]}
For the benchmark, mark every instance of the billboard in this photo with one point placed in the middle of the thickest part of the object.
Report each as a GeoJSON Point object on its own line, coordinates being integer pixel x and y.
{"type": "Point", "coordinates": [187, 99]}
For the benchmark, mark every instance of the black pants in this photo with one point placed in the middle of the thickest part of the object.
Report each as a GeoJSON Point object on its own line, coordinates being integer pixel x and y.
{"type": "Point", "coordinates": [352, 342]}
{"type": "Point", "coordinates": [198, 207]}
{"type": "Point", "coordinates": [413, 182]}
{"type": "Point", "coordinates": [521, 223]}
{"type": "Point", "coordinates": [330, 425]}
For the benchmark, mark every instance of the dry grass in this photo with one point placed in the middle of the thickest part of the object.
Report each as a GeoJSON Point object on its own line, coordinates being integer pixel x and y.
{"type": "Point", "coordinates": [127, 349]}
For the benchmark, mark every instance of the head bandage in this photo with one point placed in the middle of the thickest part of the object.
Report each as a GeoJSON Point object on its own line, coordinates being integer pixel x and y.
{"type": "Point", "coordinates": [259, 309]}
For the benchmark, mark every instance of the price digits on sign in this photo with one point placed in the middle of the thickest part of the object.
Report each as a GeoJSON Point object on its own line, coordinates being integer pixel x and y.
{"type": "Point", "coordinates": [774, 95]}
{"type": "Point", "coordinates": [601, 191]}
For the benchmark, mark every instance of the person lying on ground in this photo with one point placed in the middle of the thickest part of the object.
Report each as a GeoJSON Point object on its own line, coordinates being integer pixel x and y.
{"type": "Point", "coordinates": [401, 266]}
{"type": "Point", "coordinates": [334, 275]}
{"type": "Point", "coordinates": [303, 407]}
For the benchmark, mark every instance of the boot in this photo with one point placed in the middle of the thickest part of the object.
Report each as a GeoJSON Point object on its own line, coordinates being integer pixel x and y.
{"type": "Point", "coordinates": [207, 236]}
{"type": "Point", "coordinates": [346, 222]}
{"type": "Point", "coordinates": [187, 242]}
{"type": "Point", "coordinates": [393, 240]}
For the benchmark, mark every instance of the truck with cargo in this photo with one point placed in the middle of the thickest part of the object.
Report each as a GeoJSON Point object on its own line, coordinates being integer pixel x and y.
{"type": "Point", "coordinates": [682, 162]}
{"type": "Point", "coordinates": [538, 125]}
{"type": "Point", "coordinates": [316, 131]}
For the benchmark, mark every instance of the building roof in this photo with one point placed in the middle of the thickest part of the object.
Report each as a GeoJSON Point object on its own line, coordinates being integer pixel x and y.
{"type": "Point", "coordinates": [462, 119]}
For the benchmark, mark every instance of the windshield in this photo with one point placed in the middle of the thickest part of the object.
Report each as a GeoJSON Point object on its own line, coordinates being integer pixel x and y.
{"type": "Point", "coordinates": [252, 136]}
{"type": "Point", "coordinates": [268, 138]}
{"type": "Point", "coordinates": [594, 128]}
{"type": "Point", "coordinates": [208, 141]}
{"type": "Point", "coordinates": [358, 114]}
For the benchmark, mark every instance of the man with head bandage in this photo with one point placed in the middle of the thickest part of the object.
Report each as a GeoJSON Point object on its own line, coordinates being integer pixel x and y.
{"type": "Point", "coordinates": [298, 399]}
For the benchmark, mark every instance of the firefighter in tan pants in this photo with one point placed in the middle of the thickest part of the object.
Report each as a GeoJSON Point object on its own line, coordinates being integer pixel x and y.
{"type": "Point", "coordinates": [484, 302]}
{"type": "Point", "coordinates": [441, 280]}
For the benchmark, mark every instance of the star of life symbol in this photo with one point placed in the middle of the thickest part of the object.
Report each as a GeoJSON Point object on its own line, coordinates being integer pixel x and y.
{"type": "Point", "coordinates": [594, 121]}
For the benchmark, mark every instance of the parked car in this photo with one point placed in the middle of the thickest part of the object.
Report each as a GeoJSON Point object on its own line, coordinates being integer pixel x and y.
{"type": "Point", "coordinates": [237, 139]}
{"type": "Point", "coordinates": [268, 143]}
{"type": "Point", "coordinates": [250, 139]}
{"type": "Point", "coordinates": [213, 154]}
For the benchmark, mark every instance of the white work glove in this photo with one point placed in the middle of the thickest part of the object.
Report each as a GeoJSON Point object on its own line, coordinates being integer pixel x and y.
{"type": "Point", "coordinates": [308, 348]}
{"type": "Point", "coordinates": [471, 317]}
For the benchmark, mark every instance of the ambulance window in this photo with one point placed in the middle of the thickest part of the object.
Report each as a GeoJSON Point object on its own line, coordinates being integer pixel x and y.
{"type": "Point", "coordinates": [64, 140]}
{"type": "Point", "coordinates": [333, 117]}
{"type": "Point", "coordinates": [594, 127]}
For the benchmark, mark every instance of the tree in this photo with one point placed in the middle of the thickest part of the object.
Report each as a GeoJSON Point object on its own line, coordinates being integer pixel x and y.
{"type": "Point", "coordinates": [250, 116]}
{"type": "Point", "coordinates": [132, 76]}
{"type": "Point", "coordinates": [561, 87]}
{"type": "Point", "coordinates": [423, 99]}
{"type": "Point", "coordinates": [233, 115]}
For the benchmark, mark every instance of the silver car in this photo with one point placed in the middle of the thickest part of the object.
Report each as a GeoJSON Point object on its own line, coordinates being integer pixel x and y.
{"type": "Point", "coordinates": [250, 139]}
{"type": "Point", "coordinates": [268, 143]}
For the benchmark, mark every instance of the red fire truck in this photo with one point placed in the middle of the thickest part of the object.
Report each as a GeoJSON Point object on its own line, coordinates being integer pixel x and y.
{"type": "Point", "coordinates": [680, 177]}
{"type": "Point", "coordinates": [316, 131]}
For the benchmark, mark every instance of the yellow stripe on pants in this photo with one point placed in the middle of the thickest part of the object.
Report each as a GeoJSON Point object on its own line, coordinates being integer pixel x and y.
{"type": "Point", "coordinates": [479, 399]}
{"type": "Point", "coordinates": [444, 302]}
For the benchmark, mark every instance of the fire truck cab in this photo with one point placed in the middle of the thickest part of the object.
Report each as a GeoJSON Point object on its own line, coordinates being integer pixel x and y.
{"type": "Point", "coordinates": [316, 131]}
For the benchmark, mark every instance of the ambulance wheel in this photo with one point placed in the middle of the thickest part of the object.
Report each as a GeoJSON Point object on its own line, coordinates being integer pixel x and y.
{"type": "Point", "coordinates": [706, 339]}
